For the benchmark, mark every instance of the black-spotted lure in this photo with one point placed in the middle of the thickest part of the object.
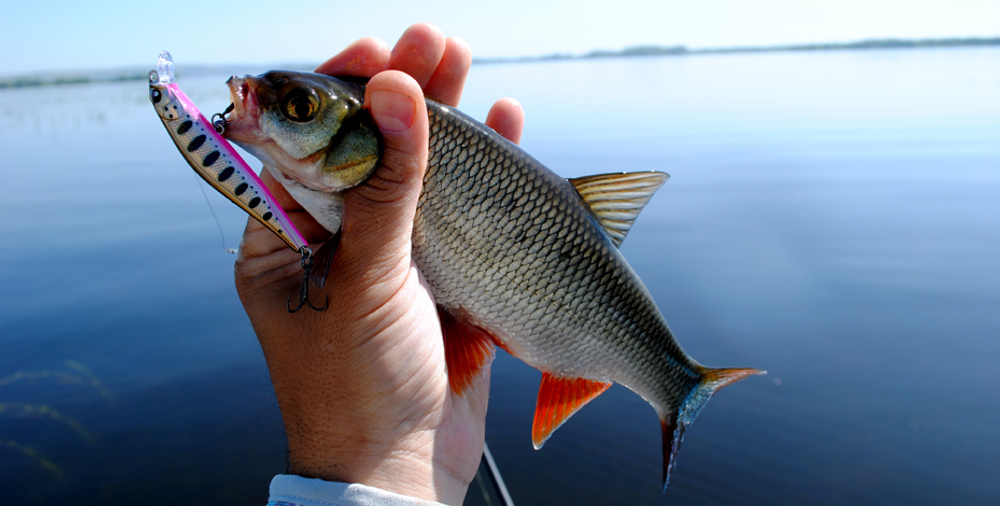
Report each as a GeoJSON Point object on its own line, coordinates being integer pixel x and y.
{"type": "Point", "coordinates": [214, 159]}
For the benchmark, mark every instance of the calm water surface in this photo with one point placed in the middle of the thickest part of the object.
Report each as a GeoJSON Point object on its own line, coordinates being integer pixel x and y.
{"type": "Point", "coordinates": [833, 218]}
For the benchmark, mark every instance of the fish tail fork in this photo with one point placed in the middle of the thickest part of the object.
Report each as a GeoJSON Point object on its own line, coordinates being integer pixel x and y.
{"type": "Point", "coordinates": [677, 421]}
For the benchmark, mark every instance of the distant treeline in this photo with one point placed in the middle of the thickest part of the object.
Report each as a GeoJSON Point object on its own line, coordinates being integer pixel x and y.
{"type": "Point", "coordinates": [31, 82]}
{"type": "Point", "coordinates": [633, 51]}
{"type": "Point", "coordinates": [653, 50]}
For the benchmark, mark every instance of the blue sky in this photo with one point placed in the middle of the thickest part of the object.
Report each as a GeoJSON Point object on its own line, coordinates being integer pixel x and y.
{"type": "Point", "coordinates": [49, 36]}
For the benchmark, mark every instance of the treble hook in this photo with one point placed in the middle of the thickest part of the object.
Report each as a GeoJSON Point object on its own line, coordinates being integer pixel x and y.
{"type": "Point", "coordinates": [219, 119]}
{"type": "Point", "coordinates": [307, 265]}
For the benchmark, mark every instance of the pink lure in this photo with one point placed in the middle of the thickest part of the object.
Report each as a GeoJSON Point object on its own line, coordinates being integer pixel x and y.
{"type": "Point", "coordinates": [213, 157]}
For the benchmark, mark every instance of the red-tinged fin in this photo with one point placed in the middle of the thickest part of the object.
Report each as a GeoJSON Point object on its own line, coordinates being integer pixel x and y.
{"type": "Point", "coordinates": [323, 259]}
{"type": "Point", "coordinates": [467, 349]}
{"type": "Point", "coordinates": [676, 422]}
{"type": "Point", "coordinates": [558, 399]}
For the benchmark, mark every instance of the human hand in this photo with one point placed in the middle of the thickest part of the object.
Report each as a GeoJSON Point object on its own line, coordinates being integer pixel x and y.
{"type": "Point", "coordinates": [362, 386]}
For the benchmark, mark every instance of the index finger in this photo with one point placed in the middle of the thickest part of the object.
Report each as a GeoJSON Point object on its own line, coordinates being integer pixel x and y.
{"type": "Point", "coordinates": [364, 58]}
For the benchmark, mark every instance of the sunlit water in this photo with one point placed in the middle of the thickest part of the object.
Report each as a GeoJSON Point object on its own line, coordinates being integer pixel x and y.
{"type": "Point", "coordinates": [832, 217]}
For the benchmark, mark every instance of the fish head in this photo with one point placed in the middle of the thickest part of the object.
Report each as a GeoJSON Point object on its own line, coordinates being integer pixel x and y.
{"type": "Point", "coordinates": [311, 128]}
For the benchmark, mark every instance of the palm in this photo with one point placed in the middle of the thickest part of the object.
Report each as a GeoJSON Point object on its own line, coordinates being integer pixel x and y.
{"type": "Point", "coordinates": [363, 385]}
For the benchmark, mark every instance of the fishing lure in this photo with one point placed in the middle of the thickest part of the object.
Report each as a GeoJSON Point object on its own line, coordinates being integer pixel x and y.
{"type": "Point", "coordinates": [214, 159]}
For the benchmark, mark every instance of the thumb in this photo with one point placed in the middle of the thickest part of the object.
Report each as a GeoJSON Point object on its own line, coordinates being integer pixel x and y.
{"type": "Point", "coordinates": [378, 215]}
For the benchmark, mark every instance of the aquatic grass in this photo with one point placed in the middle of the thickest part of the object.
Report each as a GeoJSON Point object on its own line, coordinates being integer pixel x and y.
{"type": "Point", "coordinates": [84, 377]}
{"type": "Point", "coordinates": [62, 377]}
{"type": "Point", "coordinates": [34, 456]}
{"type": "Point", "coordinates": [92, 379]}
{"type": "Point", "coordinates": [80, 375]}
{"type": "Point", "coordinates": [24, 410]}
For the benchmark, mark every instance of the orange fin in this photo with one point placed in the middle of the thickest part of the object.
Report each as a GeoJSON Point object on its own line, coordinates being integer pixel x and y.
{"type": "Point", "coordinates": [558, 399]}
{"type": "Point", "coordinates": [674, 424]}
{"type": "Point", "coordinates": [467, 349]}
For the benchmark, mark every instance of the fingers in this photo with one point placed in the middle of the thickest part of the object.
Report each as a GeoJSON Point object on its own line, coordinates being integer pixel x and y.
{"type": "Point", "coordinates": [418, 52]}
{"type": "Point", "coordinates": [446, 84]}
{"type": "Point", "coordinates": [378, 215]}
{"type": "Point", "coordinates": [259, 241]}
{"type": "Point", "coordinates": [438, 64]}
{"type": "Point", "coordinates": [284, 198]}
{"type": "Point", "coordinates": [506, 117]}
{"type": "Point", "coordinates": [364, 58]}
{"type": "Point", "coordinates": [310, 229]}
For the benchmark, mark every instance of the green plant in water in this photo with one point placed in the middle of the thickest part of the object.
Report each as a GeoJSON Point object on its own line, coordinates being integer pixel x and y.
{"type": "Point", "coordinates": [80, 375]}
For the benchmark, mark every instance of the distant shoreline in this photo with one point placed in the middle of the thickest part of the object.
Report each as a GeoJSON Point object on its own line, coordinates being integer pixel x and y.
{"type": "Point", "coordinates": [63, 79]}
{"type": "Point", "coordinates": [653, 50]}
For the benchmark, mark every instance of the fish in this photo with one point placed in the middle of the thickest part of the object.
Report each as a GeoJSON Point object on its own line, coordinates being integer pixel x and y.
{"type": "Point", "coordinates": [515, 255]}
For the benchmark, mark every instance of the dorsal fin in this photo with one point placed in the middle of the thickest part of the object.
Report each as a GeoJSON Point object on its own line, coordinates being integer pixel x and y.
{"type": "Point", "coordinates": [616, 199]}
{"type": "Point", "coordinates": [467, 349]}
{"type": "Point", "coordinates": [558, 399]}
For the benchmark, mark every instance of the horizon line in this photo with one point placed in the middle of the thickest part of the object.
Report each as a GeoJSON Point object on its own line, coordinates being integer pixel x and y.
{"type": "Point", "coordinates": [69, 77]}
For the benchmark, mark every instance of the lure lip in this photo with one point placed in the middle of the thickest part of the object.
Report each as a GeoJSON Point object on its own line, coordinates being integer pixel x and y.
{"type": "Point", "coordinates": [164, 69]}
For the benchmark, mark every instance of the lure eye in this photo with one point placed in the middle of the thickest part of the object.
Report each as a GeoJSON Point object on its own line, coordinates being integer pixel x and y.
{"type": "Point", "coordinates": [155, 96]}
{"type": "Point", "coordinates": [301, 105]}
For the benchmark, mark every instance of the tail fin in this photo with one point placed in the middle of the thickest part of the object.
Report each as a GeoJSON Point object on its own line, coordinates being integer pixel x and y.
{"type": "Point", "coordinates": [674, 424]}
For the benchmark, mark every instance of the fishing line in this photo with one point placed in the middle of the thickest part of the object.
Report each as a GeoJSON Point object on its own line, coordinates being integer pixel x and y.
{"type": "Point", "coordinates": [222, 235]}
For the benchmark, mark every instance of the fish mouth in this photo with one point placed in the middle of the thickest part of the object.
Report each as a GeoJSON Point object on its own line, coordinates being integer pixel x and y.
{"type": "Point", "coordinates": [243, 127]}
{"type": "Point", "coordinates": [244, 119]}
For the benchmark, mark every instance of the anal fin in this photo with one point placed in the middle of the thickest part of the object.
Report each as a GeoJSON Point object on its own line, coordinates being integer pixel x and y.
{"type": "Point", "coordinates": [558, 399]}
{"type": "Point", "coordinates": [467, 349]}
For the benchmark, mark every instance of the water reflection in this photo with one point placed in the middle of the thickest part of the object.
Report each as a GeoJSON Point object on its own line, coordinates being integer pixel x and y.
{"type": "Point", "coordinates": [832, 217]}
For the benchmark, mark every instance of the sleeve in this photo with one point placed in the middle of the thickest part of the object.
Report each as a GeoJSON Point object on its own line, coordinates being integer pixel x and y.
{"type": "Point", "coordinates": [291, 490]}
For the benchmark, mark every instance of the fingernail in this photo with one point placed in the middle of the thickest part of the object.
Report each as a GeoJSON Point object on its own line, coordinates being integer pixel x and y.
{"type": "Point", "coordinates": [392, 111]}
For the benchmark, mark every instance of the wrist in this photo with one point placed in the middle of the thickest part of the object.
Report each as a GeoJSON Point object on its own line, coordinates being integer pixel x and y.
{"type": "Point", "coordinates": [406, 467]}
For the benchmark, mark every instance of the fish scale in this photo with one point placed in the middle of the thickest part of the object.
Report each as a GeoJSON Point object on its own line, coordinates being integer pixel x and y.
{"type": "Point", "coordinates": [594, 280]}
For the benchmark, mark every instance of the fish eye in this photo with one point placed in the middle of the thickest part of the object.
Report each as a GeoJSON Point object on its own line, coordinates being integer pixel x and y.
{"type": "Point", "coordinates": [155, 95]}
{"type": "Point", "coordinates": [300, 105]}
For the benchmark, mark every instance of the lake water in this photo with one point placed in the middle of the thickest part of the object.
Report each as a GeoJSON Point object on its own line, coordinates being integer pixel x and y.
{"type": "Point", "coordinates": [832, 217]}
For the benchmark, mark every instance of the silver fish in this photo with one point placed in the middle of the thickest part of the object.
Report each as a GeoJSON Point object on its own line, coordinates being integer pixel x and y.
{"type": "Point", "coordinates": [514, 254]}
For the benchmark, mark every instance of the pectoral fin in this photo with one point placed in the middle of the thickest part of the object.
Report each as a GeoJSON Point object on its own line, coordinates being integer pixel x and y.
{"type": "Point", "coordinates": [558, 399]}
{"type": "Point", "coordinates": [323, 259]}
{"type": "Point", "coordinates": [467, 349]}
{"type": "Point", "coordinates": [617, 199]}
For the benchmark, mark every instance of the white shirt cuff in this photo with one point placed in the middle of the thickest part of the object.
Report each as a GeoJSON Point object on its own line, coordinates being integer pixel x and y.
{"type": "Point", "coordinates": [291, 490]}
